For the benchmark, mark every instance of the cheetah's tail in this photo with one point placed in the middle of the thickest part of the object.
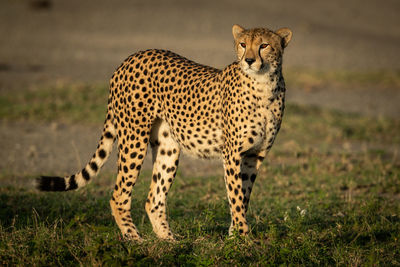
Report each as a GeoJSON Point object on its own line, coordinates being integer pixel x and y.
{"type": "Point", "coordinates": [92, 168]}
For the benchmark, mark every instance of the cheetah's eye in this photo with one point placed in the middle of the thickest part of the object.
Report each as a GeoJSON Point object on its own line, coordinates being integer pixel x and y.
{"type": "Point", "coordinates": [262, 46]}
{"type": "Point", "coordinates": [243, 45]}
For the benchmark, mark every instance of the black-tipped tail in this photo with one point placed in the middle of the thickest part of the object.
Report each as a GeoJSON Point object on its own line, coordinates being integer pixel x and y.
{"type": "Point", "coordinates": [49, 183]}
{"type": "Point", "coordinates": [80, 179]}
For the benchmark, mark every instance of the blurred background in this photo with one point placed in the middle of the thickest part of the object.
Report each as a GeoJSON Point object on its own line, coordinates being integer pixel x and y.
{"type": "Point", "coordinates": [344, 55]}
{"type": "Point", "coordinates": [53, 41]}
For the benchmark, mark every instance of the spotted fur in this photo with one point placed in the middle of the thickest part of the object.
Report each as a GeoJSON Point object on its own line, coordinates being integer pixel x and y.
{"type": "Point", "coordinates": [174, 104]}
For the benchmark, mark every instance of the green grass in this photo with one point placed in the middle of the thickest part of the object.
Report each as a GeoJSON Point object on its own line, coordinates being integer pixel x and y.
{"type": "Point", "coordinates": [328, 194]}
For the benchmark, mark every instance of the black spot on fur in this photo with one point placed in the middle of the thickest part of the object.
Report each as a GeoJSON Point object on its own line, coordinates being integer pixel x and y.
{"type": "Point", "coordinates": [85, 174]}
{"type": "Point", "coordinates": [108, 135]}
{"type": "Point", "coordinates": [102, 153]}
{"type": "Point", "coordinates": [94, 167]}
{"type": "Point", "coordinates": [72, 183]}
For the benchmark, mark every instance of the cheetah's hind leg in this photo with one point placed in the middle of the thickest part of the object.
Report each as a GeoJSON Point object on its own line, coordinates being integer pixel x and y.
{"type": "Point", "coordinates": [132, 150]}
{"type": "Point", "coordinates": [165, 162]}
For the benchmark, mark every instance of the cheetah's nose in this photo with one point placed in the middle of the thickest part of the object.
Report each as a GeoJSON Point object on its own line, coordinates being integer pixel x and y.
{"type": "Point", "coordinates": [250, 61]}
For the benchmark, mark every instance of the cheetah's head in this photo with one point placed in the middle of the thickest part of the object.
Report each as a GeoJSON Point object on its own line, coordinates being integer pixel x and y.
{"type": "Point", "coordinates": [260, 50]}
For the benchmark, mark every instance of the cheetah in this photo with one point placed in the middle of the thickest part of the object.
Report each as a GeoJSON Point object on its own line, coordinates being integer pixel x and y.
{"type": "Point", "coordinates": [176, 105]}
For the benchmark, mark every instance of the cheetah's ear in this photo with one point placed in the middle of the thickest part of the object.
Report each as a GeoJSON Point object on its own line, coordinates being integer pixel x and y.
{"type": "Point", "coordinates": [237, 30]}
{"type": "Point", "coordinates": [286, 35]}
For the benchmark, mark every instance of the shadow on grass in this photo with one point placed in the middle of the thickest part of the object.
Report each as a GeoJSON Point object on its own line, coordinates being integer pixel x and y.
{"type": "Point", "coordinates": [18, 206]}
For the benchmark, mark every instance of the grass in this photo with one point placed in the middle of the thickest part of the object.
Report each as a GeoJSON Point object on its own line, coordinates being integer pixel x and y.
{"type": "Point", "coordinates": [328, 194]}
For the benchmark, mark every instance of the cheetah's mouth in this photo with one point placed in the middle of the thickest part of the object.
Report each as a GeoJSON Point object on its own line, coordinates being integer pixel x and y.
{"type": "Point", "coordinates": [263, 68]}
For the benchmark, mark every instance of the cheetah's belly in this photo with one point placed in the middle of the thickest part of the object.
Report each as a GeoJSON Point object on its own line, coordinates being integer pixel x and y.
{"type": "Point", "coordinates": [201, 140]}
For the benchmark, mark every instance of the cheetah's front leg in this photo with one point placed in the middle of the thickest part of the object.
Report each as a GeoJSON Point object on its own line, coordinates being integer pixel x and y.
{"type": "Point", "coordinates": [240, 174]}
{"type": "Point", "coordinates": [248, 172]}
{"type": "Point", "coordinates": [234, 186]}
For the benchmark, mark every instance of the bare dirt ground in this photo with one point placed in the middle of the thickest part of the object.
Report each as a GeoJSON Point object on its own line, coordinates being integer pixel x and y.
{"type": "Point", "coordinates": [46, 42]}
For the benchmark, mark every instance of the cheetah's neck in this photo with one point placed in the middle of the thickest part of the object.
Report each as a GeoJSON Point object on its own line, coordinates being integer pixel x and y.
{"type": "Point", "coordinates": [266, 85]}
